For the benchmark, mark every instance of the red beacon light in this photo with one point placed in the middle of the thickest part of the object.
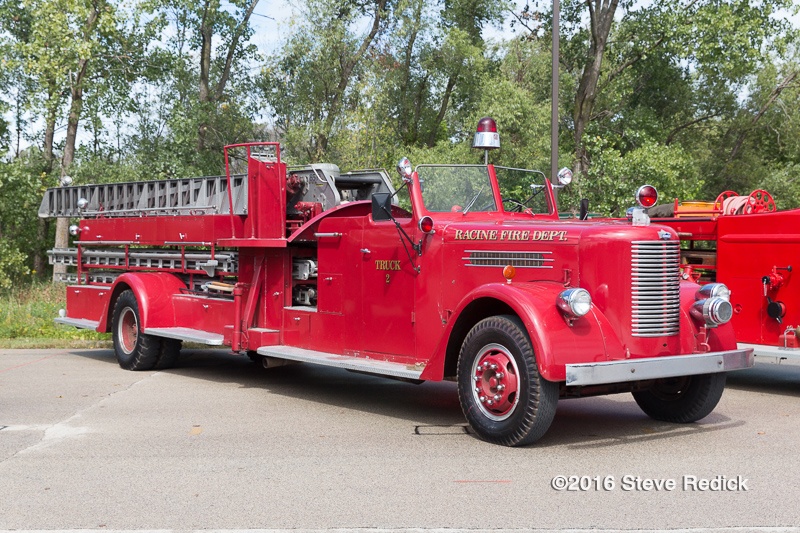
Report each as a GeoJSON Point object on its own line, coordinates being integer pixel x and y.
{"type": "Point", "coordinates": [486, 137]}
{"type": "Point", "coordinates": [647, 196]}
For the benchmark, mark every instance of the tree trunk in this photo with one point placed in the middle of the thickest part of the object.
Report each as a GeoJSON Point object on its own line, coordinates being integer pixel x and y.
{"type": "Point", "coordinates": [445, 101]}
{"type": "Point", "coordinates": [43, 225]}
{"type": "Point", "coordinates": [601, 16]}
{"type": "Point", "coordinates": [204, 94]}
{"type": "Point", "coordinates": [62, 224]}
{"type": "Point", "coordinates": [344, 78]}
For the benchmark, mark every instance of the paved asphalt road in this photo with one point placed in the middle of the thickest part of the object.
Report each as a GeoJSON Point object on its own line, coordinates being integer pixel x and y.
{"type": "Point", "coordinates": [218, 443]}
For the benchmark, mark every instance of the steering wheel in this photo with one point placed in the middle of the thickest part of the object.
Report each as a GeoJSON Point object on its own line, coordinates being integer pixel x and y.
{"type": "Point", "coordinates": [456, 209]}
{"type": "Point", "coordinates": [759, 201]}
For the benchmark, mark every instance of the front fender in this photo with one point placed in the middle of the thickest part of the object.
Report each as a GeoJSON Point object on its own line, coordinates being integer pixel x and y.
{"type": "Point", "coordinates": [153, 291]}
{"type": "Point", "coordinates": [556, 343]}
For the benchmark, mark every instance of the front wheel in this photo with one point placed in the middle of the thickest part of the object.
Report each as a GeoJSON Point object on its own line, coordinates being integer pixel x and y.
{"type": "Point", "coordinates": [134, 349]}
{"type": "Point", "coordinates": [502, 394]}
{"type": "Point", "coordinates": [683, 399]}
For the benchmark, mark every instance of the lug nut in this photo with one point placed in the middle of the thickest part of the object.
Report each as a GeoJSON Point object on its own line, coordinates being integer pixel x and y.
{"type": "Point", "coordinates": [483, 399]}
{"type": "Point", "coordinates": [497, 397]}
{"type": "Point", "coordinates": [499, 375]}
{"type": "Point", "coordinates": [478, 389]}
{"type": "Point", "coordinates": [493, 367]}
{"type": "Point", "coordinates": [490, 402]}
{"type": "Point", "coordinates": [501, 387]}
{"type": "Point", "coordinates": [477, 378]}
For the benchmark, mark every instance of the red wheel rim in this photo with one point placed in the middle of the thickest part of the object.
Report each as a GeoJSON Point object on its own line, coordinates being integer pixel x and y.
{"type": "Point", "coordinates": [495, 382]}
{"type": "Point", "coordinates": [128, 330]}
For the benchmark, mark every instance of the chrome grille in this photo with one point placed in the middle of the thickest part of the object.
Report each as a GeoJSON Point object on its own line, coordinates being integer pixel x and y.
{"type": "Point", "coordinates": [501, 259]}
{"type": "Point", "coordinates": [655, 288]}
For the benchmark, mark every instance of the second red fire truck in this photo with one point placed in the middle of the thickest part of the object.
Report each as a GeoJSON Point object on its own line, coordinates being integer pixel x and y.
{"type": "Point", "coordinates": [320, 266]}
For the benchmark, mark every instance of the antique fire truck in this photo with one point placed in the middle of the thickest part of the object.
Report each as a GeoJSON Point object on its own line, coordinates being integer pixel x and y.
{"type": "Point", "coordinates": [320, 266]}
{"type": "Point", "coordinates": [751, 247]}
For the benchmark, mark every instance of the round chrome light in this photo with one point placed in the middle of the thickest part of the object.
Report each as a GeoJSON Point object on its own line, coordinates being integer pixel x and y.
{"type": "Point", "coordinates": [82, 203]}
{"type": "Point", "coordinates": [564, 176]}
{"type": "Point", "coordinates": [404, 169]}
{"type": "Point", "coordinates": [574, 302]}
{"type": "Point", "coordinates": [714, 311]}
{"type": "Point", "coordinates": [647, 196]}
{"type": "Point", "coordinates": [74, 230]}
{"type": "Point", "coordinates": [714, 290]}
{"type": "Point", "coordinates": [66, 181]}
{"type": "Point", "coordinates": [426, 224]}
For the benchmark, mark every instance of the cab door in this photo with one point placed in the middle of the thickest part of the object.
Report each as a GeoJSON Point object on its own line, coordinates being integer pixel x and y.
{"type": "Point", "coordinates": [387, 293]}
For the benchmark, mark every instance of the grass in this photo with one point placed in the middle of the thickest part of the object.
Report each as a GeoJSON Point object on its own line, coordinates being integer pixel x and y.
{"type": "Point", "coordinates": [26, 320]}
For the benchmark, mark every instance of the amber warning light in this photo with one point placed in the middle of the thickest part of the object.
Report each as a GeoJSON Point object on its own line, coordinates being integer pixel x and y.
{"type": "Point", "coordinates": [509, 272]}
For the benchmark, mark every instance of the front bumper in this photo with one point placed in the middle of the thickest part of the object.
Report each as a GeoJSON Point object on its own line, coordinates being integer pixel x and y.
{"type": "Point", "coordinates": [658, 367]}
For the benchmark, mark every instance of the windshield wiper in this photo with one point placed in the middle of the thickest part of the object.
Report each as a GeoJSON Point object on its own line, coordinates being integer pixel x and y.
{"type": "Point", "coordinates": [472, 202]}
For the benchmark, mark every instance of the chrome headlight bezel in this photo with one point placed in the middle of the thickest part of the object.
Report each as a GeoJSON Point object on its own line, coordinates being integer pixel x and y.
{"type": "Point", "coordinates": [713, 290]}
{"type": "Point", "coordinates": [714, 311]}
{"type": "Point", "coordinates": [575, 303]}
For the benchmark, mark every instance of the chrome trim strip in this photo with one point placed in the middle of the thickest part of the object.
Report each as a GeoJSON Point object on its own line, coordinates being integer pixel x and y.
{"type": "Point", "coordinates": [658, 367]}
{"type": "Point", "coordinates": [502, 266]}
{"type": "Point", "coordinates": [507, 252]}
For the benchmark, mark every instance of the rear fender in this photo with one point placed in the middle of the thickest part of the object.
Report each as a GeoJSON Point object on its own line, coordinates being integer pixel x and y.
{"type": "Point", "coordinates": [153, 293]}
{"type": "Point", "coordinates": [555, 342]}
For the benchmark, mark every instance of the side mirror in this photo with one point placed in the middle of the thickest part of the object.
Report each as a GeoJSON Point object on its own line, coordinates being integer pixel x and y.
{"type": "Point", "coordinates": [381, 206]}
{"type": "Point", "coordinates": [405, 170]}
{"type": "Point", "coordinates": [564, 176]}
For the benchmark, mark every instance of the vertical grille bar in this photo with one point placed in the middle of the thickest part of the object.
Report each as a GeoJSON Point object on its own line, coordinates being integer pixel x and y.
{"type": "Point", "coordinates": [655, 288]}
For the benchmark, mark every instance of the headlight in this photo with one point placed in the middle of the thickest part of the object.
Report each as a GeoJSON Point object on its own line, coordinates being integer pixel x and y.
{"type": "Point", "coordinates": [714, 290]}
{"type": "Point", "coordinates": [574, 302]}
{"type": "Point", "coordinates": [714, 311]}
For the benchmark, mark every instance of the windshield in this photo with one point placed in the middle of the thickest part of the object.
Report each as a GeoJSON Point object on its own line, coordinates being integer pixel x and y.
{"type": "Point", "coordinates": [462, 188]}
{"type": "Point", "coordinates": [522, 189]}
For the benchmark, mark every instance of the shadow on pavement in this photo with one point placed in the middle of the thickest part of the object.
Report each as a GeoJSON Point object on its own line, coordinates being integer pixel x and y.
{"type": "Point", "coordinates": [432, 408]}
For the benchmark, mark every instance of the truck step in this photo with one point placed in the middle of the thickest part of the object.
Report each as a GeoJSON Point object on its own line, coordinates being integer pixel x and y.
{"type": "Point", "coordinates": [360, 364]}
{"type": "Point", "coordinates": [80, 323]}
{"type": "Point", "coordinates": [187, 334]}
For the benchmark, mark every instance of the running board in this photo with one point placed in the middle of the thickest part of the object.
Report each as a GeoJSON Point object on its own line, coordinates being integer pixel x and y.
{"type": "Point", "coordinates": [80, 323]}
{"type": "Point", "coordinates": [186, 334]}
{"type": "Point", "coordinates": [359, 364]}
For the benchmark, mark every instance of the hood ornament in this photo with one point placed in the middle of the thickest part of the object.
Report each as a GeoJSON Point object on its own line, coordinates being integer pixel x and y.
{"type": "Point", "coordinates": [664, 235]}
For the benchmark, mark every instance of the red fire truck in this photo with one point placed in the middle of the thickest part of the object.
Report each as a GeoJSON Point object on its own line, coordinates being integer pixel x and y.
{"type": "Point", "coordinates": [315, 265]}
{"type": "Point", "coordinates": [751, 247]}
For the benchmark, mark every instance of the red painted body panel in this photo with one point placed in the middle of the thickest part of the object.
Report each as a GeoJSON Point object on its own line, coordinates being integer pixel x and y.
{"type": "Point", "coordinates": [748, 247]}
{"type": "Point", "coordinates": [154, 292]}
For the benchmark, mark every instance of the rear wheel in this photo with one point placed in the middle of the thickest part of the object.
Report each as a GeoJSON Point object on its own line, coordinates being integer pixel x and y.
{"type": "Point", "coordinates": [683, 399]}
{"type": "Point", "coordinates": [134, 349]}
{"type": "Point", "coordinates": [503, 397]}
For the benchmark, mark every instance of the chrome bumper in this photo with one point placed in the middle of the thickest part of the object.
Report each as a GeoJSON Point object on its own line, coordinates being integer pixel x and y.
{"type": "Point", "coordinates": [658, 367]}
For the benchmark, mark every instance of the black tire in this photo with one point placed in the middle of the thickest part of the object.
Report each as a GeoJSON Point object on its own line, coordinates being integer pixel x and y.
{"type": "Point", "coordinates": [168, 354]}
{"type": "Point", "coordinates": [683, 399]}
{"type": "Point", "coordinates": [134, 349]}
{"type": "Point", "coordinates": [516, 419]}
